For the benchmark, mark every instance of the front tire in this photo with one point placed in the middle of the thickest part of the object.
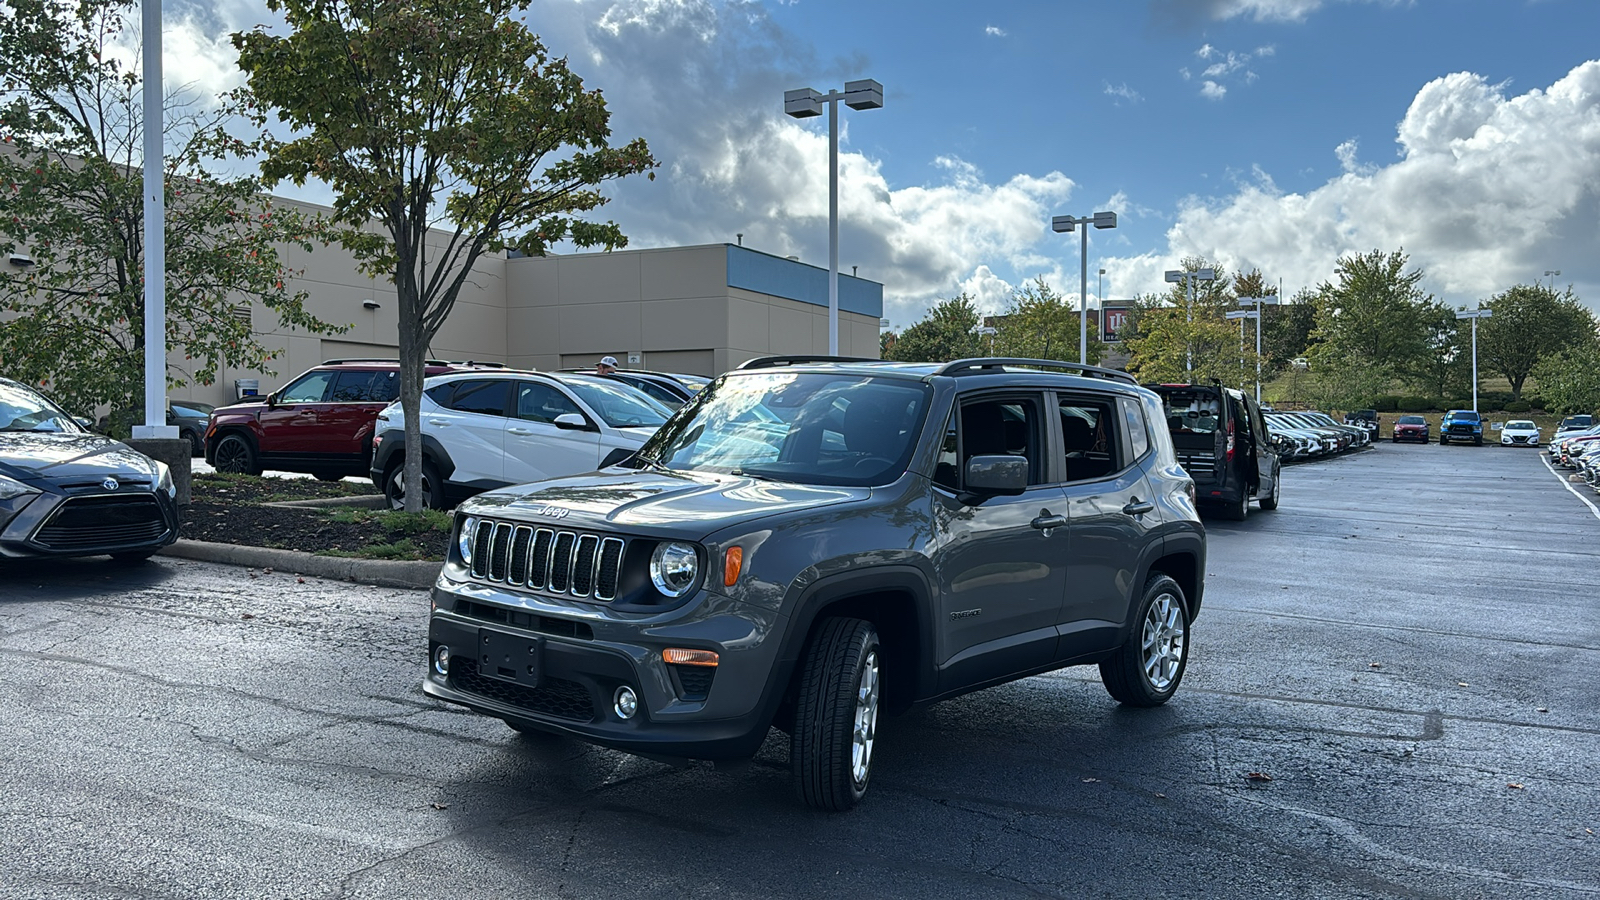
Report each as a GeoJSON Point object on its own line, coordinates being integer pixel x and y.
{"type": "Point", "coordinates": [236, 454]}
{"type": "Point", "coordinates": [836, 715]}
{"type": "Point", "coordinates": [1270, 502]}
{"type": "Point", "coordinates": [1148, 667]}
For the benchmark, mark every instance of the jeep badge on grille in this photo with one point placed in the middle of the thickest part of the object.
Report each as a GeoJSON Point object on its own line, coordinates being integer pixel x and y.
{"type": "Point", "coordinates": [554, 512]}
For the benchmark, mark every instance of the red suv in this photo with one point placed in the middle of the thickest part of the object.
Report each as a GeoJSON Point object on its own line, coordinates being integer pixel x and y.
{"type": "Point", "coordinates": [319, 423]}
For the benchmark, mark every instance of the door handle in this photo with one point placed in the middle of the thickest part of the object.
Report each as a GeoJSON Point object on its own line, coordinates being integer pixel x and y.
{"type": "Point", "coordinates": [439, 422]}
{"type": "Point", "coordinates": [1047, 522]}
{"type": "Point", "coordinates": [519, 431]}
{"type": "Point", "coordinates": [1138, 507]}
{"type": "Point", "coordinates": [306, 412]}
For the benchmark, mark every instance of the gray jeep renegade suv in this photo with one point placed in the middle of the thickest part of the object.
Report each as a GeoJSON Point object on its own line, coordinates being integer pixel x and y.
{"type": "Point", "coordinates": [812, 541]}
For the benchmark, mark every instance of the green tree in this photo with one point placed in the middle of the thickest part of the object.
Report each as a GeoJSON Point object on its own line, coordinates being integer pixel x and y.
{"type": "Point", "coordinates": [71, 196]}
{"type": "Point", "coordinates": [1445, 370]}
{"type": "Point", "coordinates": [1175, 340]}
{"type": "Point", "coordinates": [434, 114]}
{"type": "Point", "coordinates": [1371, 329]}
{"type": "Point", "coordinates": [1286, 332]}
{"type": "Point", "coordinates": [944, 334]}
{"type": "Point", "coordinates": [1529, 323]}
{"type": "Point", "coordinates": [1569, 379]}
{"type": "Point", "coordinates": [1039, 324]}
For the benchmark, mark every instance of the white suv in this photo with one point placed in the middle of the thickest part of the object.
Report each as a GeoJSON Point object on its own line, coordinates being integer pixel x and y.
{"type": "Point", "coordinates": [485, 430]}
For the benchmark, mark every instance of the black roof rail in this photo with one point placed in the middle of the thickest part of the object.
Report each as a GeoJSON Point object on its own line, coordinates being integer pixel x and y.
{"type": "Point", "coordinates": [773, 362]}
{"type": "Point", "coordinates": [375, 359]}
{"type": "Point", "coordinates": [977, 367]}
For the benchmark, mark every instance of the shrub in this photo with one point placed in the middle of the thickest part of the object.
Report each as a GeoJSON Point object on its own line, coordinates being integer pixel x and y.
{"type": "Point", "coordinates": [1415, 404]}
{"type": "Point", "coordinates": [1517, 406]}
{"type": "Point", "coordinates": [1534, 401]}
{"type": "Point", "coordinates": [1458, 403]}
{"type": "Point", "coordinates": [1386, 403]}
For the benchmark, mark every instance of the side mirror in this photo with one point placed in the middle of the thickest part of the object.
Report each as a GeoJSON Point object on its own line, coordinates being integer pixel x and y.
{"type": "Point", "coordinates": [85, 421]}
{"type": "Point", "coordinates": [572, 422]}
{"type": "Point", "coordinates": [996, 475]}
{"type": "Point", "coordinates": [272, 399]}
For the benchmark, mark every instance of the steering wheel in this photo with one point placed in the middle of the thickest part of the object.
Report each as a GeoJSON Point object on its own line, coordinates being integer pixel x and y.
{"type": "Point", "coordinates": [877, 462]}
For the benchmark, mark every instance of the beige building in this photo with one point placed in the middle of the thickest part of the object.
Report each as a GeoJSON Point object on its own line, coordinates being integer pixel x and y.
{"type": "Point", "coordinates": [700, 310]}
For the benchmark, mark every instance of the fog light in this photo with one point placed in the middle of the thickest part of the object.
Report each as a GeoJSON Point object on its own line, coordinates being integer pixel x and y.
{"type": "Point", "coordinates": [627, 703]}
{"type": "Point", "coordinates": [441, 659]}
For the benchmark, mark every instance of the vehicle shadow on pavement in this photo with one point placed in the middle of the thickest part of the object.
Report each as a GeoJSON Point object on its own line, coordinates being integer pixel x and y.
{"type": "Point", "coordinates": [33, 580]}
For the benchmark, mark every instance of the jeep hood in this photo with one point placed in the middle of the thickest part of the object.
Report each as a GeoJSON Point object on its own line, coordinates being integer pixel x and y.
{"type": "Point", "coordinates": [689, 505]}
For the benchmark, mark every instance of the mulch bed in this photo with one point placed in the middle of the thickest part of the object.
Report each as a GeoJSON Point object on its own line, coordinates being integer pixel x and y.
{"type": "Point", "coordinates": [228, 510]}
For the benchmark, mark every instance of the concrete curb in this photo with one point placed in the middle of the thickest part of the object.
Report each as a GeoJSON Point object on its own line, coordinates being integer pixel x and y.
{"type": "Point", "coordinates": [360, 501]}
{"type": "Point", "coordinates": [418, 575]}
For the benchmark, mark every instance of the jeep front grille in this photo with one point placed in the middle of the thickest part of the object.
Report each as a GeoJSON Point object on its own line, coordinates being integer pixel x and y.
{"type": "Point", "coordinates": [563, 562]}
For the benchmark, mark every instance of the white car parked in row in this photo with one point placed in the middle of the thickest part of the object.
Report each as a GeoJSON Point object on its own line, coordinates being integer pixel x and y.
{"type": "Point", "coordinates": [486, 430]}
{"type": "Point", "coordinates": [1519, 433]}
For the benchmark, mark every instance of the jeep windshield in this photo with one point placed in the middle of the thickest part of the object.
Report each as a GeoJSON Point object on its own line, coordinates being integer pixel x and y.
{"type": "Point", "coordinates": [807, 428]}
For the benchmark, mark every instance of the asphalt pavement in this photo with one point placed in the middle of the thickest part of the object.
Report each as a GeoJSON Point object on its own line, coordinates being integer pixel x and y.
{"type": "Point", "coordinates": [1391, 693]}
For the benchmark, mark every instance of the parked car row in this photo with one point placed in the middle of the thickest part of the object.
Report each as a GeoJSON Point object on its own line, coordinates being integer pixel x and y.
{"type": "Point", "coordinates": [1577, 438]}
{"type": "Point", "coordinates": [483, 425]}
{"type": "Point", "coordinates": [1308, 434]}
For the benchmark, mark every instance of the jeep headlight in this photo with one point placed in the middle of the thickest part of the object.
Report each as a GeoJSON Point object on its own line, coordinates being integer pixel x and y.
{"type": "Point", "coordinates": [674, 568]}
{"type": "Point", "coordinates": [469, 528]}
{"type": "Point", "coordinates": [164, 482]}
{"type": "Point", "coordinates": [10, 488]}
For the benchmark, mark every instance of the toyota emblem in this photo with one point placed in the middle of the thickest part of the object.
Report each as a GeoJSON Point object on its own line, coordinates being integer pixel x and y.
{"type": "Point", "coordinates": [110, 484]}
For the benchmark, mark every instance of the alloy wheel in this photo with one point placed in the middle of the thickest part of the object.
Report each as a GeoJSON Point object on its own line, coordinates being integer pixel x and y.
{"type": "Point", "coordinates": [1162, 642]}
{"type": "Point", "coordinates": [866, 724]}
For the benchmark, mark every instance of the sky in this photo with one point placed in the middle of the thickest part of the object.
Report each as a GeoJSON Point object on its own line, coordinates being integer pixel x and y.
{"type": "Point", "coordinates": [1270, 135]}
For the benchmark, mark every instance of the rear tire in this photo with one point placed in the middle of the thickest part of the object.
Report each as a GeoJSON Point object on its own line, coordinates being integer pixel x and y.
{"type": "Point", "coordinates": [1238, 511]}
{"type": "Point", "coordinates": [328, 476]}
{"type": "Point", "coordinates": [196, 446]}
{"type": "Point", "coordinates": [394, 489]}
{"type": "Point", "coordinates": [236, 454]}
{"type": "Point", "coordinates": [836, 715]}
{"type": "Point", "coordinates": [1148, 667]}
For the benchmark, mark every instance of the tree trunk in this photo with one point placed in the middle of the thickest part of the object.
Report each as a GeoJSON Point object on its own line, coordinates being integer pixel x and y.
{"type": "Point", "coordinates": [413, 366]}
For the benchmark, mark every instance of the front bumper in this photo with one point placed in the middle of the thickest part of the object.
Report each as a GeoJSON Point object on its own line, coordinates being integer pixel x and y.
{"type": "Point", "coordinates": [571, 658]}
{"type": "Point", "coordinates": [1509, 441]}
{"type": "Point", "coordinates": [87, 524]}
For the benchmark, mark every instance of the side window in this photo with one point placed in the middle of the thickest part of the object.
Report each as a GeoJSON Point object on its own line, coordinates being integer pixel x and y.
{"type": "Point", "coordinates": [947, 472]}
{"type": "Point", "coordinates": [441, 394]}
{"type": "Point", "coordinates": [542, 403]}
{"type": "Point", "coordinates": [1138, 434]}
{"type": "Point", "coordinates": [485, 398]}
{"type": "Point", "coordinates": [1088, 437]}
{"type": "Point", "coordinates": [356, 387]}
{"type": "Point", "coordinates": [1003, 427]}
{"type": "Point", "coordinates": [310, 389]}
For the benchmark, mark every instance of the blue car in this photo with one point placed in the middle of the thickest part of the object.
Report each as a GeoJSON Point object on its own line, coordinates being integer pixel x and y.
{"type": "Point", "coordinates": [1461, 425]}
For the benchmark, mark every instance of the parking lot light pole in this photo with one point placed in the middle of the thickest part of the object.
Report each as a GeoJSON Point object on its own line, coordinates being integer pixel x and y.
{"type": "Point", "coordinates": [1060, 224]}
{"type": "Point", "coordinates": [1258, 302]}
{"type": "Point", "coordinates": [1189, 278]}
{"type": "Point", "coordinates": [1241, 315]}
{"type": "Point", "coordinates": [1552, 274]}
{"type": "Point", "coordinates": [803, 104]}
{"type": "Point", "coordinates": [1475, 315]}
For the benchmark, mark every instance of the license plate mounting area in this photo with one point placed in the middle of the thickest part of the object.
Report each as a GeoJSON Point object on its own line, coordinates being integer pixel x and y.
{"type": "Point", "coordinates": [510, 657]}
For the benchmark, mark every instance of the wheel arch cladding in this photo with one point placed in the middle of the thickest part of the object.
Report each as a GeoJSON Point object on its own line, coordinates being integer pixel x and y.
{"type": "Point", "coordinates": [1185, 570]}
{"type": "Point", "coordinates": [896, 604]}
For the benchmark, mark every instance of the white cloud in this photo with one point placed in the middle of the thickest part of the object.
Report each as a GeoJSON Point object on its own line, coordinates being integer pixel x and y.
{"type": "Point", "coordinates": [994, 31]}
{"type": "Point", "coordinates": [1212, 91]}
{"type": "Point", "coordinates": [1489, 191]}
{"type": "Point", "coordinates": [1123, 92]}
{"type": "Point", "coordinates": [1225, 65]}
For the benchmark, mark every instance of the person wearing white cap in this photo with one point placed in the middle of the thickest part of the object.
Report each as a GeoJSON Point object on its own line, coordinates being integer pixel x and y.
{"type": "Point", "coordinates": [606, 365]}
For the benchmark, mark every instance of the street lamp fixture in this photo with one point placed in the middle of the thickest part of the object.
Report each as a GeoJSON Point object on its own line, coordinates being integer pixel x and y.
{"type": "Point", "coordinates": [1065, 224]}
{"type": "Point", "coordinates": [1475, 315]}
{"type": "Point", "coordinates": [803, 104]}
{"type": "Point", "coordinates": [1241, 315]}
{"type": "Point", "coordinates": [1552, 275]}
{"type": "Point", "coordinates": [1258, 302]}
{"type": "Point", "coordinates": [1188, 278]}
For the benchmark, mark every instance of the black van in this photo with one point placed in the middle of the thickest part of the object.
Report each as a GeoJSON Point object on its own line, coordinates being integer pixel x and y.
{"type": "Point", "coordinates": [1222, 442]}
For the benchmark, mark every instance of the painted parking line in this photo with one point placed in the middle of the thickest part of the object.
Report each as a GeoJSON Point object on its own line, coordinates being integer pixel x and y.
{"type": "Point", "coordinates": [1568, 485]}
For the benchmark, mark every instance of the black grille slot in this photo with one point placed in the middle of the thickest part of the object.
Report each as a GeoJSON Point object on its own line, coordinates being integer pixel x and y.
{"type": "Point", "coordinates": [500, 552]}
{"type": "Point", "coordinates": [554, 697]}
{"type": "Point", "coordinates": [520, 539]}
{"type": "Point", "coordinates": [539, 575]}
{"type": "Point", "coordinates": [610, 565]}
{"type": "Point", "coordinates": [561, 562]}
{"type": "Point", "coordinates": [583, 565]}
{"type": "Point", "coordinates": [480, 549]}
{"type": "Point", "coordinates": [1198, 464]}
{"type": "Point", "coordinates": [84, 523]}
{"type": "Point", "coordinates": [485, 612]}
{"type": "Point", "coordinates": [695, 681]}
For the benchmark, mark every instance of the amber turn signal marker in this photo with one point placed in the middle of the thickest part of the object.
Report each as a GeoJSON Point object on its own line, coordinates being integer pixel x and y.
{"type": "Point", "coordinates": [732, 561]}
{"type": "Point", "coordinates": [681, 657]}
